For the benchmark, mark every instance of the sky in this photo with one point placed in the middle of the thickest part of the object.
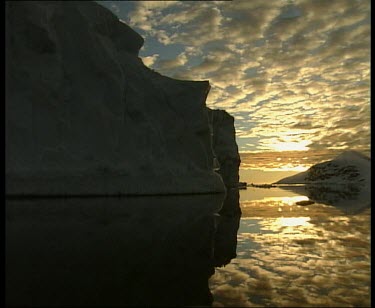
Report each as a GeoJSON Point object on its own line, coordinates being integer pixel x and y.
{"type": "Point", "coordinates": [295, 74]}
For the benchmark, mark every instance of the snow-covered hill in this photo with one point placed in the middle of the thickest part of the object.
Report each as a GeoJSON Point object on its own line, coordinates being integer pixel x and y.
{"type": "Point", "coordinates": [350, 167]}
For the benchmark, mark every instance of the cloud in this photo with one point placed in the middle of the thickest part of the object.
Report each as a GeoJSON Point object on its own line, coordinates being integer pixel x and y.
{"type": "Point", "coordinates": [115, 8]}
{"type": "Point", "coordinates": [150, 60]}
{"type": "Point", "coordinates": [171, 64]}
{"type": "Point", "coordinates": [280, 66]}
{"type": "Point", "coordinates": [147, 14]}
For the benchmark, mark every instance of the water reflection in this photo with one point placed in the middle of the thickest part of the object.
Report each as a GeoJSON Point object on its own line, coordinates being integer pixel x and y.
{"type": "Point", "coordinates": [351, 199]}
{"type": "Point", "coordinates": [293, 221]}
{"type": "Point", "coordinates": [146, 251]}
{"type": "Point", "coordinates": [226, 233]}
{"type": "Point", "coordinates": [297, 256]}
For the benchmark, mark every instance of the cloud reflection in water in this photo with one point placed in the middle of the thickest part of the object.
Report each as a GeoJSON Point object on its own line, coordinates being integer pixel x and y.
{"type": "Point", "coordinates": [301, 256]}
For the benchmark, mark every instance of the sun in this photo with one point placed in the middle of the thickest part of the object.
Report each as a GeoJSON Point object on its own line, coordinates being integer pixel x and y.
{"type": "Point", "coordinates": [291, 146]}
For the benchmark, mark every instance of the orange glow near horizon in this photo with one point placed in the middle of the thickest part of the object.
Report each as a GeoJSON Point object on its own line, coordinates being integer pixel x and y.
{"type": "Point", "coordinates": [288, 167]}
{"type": "Point", "coordinates": [288, 161]}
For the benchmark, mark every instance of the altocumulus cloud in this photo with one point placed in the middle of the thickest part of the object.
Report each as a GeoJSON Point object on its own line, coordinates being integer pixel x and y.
{"type": "Point", "coordinates": [280, 67]}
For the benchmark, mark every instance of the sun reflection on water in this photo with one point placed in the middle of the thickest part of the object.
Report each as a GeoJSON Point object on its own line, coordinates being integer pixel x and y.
{"type": "Point", "coordinates": [286, 200]}
{"type": "Point", "coordinates": [288, 258]}
{"type": "Point", "coordinates": [293, 221]}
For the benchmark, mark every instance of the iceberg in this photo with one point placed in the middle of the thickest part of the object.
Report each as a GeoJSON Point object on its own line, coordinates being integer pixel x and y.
{"type": "Point", "coordinates": [85, 116]}
{"type": "Point", "coordinates": [225, 146]}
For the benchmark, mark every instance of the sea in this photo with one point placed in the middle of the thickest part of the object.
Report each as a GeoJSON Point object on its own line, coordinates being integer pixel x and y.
{"type": "Point", "coordinates": [290, 255]}
{"type": "Point", "coordinates": [258, 247]}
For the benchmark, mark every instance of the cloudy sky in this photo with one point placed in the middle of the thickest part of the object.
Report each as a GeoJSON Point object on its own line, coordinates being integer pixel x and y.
{"type": "Point", "coordinates": [295, 74]}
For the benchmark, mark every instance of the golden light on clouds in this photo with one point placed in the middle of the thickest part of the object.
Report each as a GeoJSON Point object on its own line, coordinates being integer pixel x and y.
{"type": "Point", "coordinates": [288, 160]}
{"type": "Point", "coordinates": [290, 145]}
{"type": "Point", "coordinates": [294, 74]}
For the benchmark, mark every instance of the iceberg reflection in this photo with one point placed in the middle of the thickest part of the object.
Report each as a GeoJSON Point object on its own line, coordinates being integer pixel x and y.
{"type": "Point", "coordinates": [350, 198]}
{"type": "Point", "coordinates": [153, 251]}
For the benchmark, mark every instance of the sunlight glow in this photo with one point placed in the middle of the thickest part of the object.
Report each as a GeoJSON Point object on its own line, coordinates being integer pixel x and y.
{"type": "Point", "coordinates": [287, 200]}
{"type": "Point", "coordinates": [276, 167]}
{"type": "Point", "coordinates": [293, 221]}
{"type": "Point", "coordinates": [291, 145]}
{"type": "Point", "coordinates": [289, 167]}
{"type": "Point", "coordinates": [293, 200]}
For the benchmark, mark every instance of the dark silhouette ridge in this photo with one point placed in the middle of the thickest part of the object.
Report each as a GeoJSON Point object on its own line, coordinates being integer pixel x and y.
{"type": "Point", "coordinates": [85, 116]}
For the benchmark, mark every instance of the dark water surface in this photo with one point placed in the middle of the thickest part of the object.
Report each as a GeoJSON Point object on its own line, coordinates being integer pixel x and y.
{"type": "Point", "coordinates": [116, 251]}
{"type": "Point", "coordinates": [177, 251]}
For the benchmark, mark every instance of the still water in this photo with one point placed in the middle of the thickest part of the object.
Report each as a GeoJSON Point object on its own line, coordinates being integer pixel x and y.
{"type": "Point", "coordinates": [262, 250]}
{"type": "Point", "coordinates": [302, 256]}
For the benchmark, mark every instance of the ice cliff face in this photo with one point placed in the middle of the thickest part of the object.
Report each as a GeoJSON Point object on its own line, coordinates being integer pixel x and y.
{"type": "Point", "coordinates": [225, 146]}
{"type": "Point", "coordinates": [350, 167]}
{"type": "Point", "coordinates": [85, 116]}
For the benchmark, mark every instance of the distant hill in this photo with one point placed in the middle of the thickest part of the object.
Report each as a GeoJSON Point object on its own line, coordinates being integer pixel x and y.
{"type": "Point", "coordinates": [350, 167]}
